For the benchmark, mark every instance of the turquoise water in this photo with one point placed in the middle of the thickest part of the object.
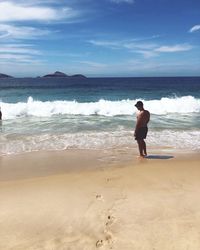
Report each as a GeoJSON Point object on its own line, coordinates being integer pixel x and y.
{"type": "Point", "coordinates": [97, 113]}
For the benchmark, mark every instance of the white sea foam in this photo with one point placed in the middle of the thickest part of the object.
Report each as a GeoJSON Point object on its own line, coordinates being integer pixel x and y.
{"type": "Point", "coordinates": [185, 104]}
{"type": "Point", "coordinates": [187, 140]}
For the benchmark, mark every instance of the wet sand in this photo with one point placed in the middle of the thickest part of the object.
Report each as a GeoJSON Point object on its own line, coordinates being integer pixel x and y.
{"type": "Point", "coordinates": [89, 200]}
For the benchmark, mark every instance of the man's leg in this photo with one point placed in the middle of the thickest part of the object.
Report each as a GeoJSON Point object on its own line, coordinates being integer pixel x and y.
{"type": "Point", "coordinates": [144, 147]}
{"type": "Point", "coordinates": [140, 146]}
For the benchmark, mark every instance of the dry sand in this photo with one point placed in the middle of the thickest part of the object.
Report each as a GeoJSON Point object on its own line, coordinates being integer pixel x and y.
{"type": "Point", "coordinates": [149, 204]}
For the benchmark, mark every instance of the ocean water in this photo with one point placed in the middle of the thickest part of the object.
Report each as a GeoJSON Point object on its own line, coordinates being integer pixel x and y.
{"type": "Point", "coordinates": [97, 113]}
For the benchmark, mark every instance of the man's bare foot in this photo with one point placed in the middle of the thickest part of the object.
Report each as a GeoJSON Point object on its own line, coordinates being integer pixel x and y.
{"type": "Point", "coordinates": [141, 156]}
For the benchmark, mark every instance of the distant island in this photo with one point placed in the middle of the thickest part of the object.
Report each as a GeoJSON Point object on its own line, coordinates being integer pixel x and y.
{"type": "Point", "coordinates": [61, 74]}
{"type": "Point", "coordinates": [57, 74]}
{"type": "Point", "coordinates": [4, 76]}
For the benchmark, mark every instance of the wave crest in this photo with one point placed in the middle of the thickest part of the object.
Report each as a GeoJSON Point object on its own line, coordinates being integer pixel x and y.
{"type": "Point", "coordinates": [185, 104]}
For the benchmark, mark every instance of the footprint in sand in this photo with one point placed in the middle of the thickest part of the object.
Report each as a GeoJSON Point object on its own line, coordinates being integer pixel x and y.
{"type": "Point", "coordinates": [110, 220]}
{"type": "Point", "coordinates": [114, 178]}
{"type": "Point", "coordinates": [108, 237]}
{"type": "Point", "coordinates": [99, 197]}
{"type": "Point", "coordinates": [99, 243]}
{"type": "Point", "coordinates": [108, 240]}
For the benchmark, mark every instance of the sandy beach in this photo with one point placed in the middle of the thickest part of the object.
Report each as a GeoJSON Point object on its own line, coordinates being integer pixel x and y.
{"type": "Point", "coordinates": [88, 200]}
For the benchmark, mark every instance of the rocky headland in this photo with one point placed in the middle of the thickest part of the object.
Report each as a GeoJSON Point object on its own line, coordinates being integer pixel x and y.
{"type": "Point", "coordinates": [61, 74]}
{"type": "Point", "coordinates": [56, 74]}
{"type": "Point", "coordinates": [4, 76]}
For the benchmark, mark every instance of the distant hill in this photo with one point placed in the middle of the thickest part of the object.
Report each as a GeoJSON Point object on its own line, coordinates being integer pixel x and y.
{"type": "Point", "coordinates": [56, 74]}
{"type": "Point", "coordinates": [4, 76]}
{"type": "Point", "coordinates": [61, 74]}
{"type": "Point", "coordinates": [78, 76]}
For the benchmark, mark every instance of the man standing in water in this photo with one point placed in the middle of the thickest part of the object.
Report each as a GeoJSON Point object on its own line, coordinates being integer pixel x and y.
{"type": "Point", "coordinates": [141, 128]}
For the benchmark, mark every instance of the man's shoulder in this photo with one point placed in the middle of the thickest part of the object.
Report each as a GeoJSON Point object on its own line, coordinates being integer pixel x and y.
{"type": "Point", "coordinates": [144, 111]}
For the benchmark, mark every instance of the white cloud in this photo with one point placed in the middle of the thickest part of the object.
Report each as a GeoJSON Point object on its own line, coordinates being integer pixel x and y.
{"type": "Point", "coordinates": [175, 48]}
{"type": "Point", "coordinates": [137, 45]}
{"type": "Point", "coordinates": [123, 44]}
{"type": "Point", "coordinates": [195, 28]}
{"type": "Point", "coordinates": [21, 32]}
{"type": "Point", "coordinates": [122, 1]}
{"type": "Point", "coordinates": [108, 44]}
{"type": "Point", "coordinates": [17, 58]}
{"type": "Point", "coordinates": [18, 49]}
{"type": "Point", "coordinates": [11, 11]}
{"type": "Point", "coordinates": [147, 53]}
{"type": "Point", "coordinates": [129, 44]}
{"type": "Point", "coordinates": [146, 49]}
{"type": "Point", "coordinates": [19, 53]}
{"type": "Point", "coordinates": [93, 64]}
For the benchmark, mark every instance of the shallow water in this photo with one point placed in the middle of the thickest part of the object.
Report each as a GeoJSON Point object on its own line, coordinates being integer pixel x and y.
{"type": "Point", "coordinates": [97, 113]}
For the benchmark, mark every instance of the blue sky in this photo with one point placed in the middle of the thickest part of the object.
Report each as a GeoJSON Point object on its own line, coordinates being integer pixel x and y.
{"type": "Point", "coordinates": [100, 37]}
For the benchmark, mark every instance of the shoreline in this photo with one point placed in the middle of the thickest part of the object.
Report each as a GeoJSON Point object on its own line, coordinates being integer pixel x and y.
{"type": "Point", "coordinates": [45, 163]}
{"type": "Point", "coordinates": [112, 202]}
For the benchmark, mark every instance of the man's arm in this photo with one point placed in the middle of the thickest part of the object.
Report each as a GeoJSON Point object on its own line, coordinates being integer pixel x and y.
{"type": "Point", "coordinates": [139, 122]}
{"type": "Point", "coordinates": [148, 116]}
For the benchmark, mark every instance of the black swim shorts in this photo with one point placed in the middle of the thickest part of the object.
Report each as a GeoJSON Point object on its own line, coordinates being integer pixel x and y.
{"type": "Point", "coordinates": [141, 133]}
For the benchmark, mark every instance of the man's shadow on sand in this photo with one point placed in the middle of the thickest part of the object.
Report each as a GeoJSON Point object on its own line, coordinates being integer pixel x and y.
{"type": "Point", "coordinates": [159, 157]}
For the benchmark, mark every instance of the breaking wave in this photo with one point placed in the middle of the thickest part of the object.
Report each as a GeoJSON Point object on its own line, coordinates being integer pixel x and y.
{"type": "Point", "coordinates": [183, 105]}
